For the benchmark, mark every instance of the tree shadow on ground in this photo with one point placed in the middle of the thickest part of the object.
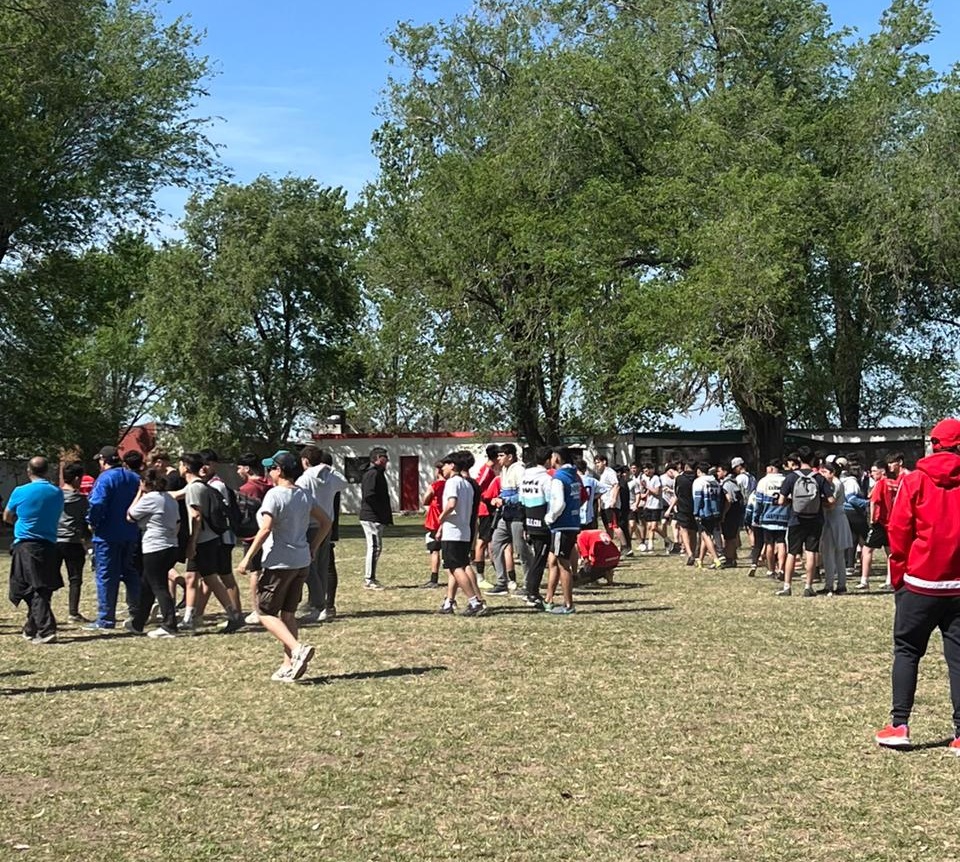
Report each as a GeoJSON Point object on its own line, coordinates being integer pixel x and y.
{"type": "Point", "coordinates": [84, 686]}
{"type": "Point", "coordinates": [582, 608]}
{"type": "Point", "coordinates": [372, 674]}
{"type": "Point", "coordinates": [7, 673]}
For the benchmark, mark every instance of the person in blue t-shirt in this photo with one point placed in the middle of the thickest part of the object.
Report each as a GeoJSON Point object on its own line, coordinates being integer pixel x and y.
{"type": "Point", "coordinates": [34, 510]}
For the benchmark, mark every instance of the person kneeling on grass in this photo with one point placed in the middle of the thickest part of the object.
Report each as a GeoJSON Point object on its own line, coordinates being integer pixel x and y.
{"type": "Point", "coordinates": [284, 516]}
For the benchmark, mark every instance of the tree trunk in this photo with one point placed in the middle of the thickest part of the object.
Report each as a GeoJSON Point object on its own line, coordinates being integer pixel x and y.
{"type": "Point", "coordinates": [765, 421]}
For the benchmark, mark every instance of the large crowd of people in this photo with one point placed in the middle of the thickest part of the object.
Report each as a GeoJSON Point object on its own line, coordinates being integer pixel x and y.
{"type": "Point", "coordinates": [166, 528]}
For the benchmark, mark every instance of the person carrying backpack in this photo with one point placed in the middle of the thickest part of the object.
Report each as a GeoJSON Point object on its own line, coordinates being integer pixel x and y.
{"type": "Point", "coordinates": [807, 494]}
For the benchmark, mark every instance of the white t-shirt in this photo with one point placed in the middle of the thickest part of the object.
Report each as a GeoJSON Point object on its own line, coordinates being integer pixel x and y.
{"type": "Point", "coordinates": [653, 499]}
{"type": "Point", "coordinates": [157, 515]}
{"type": "Point", "coordinates": [636, 487]}
{"type": "Point", "coordinates": [668, 484]}
{"type": "Point", "coordinates": [322, 483]}
{"type": "Point", "coordinates": [456, 527]}
{"type": "Point", "coordinates": [194, 500]}
{"type": "Point", "coordinates": [608, 478]}
{"type": "Point", "coordinates": [286, 547]}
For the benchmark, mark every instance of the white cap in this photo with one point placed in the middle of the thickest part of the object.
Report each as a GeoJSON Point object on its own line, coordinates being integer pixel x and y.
{"type": "Point", "coordinates": [736, 462]}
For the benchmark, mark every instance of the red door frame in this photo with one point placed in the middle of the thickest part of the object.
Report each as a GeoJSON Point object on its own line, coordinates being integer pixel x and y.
{"type": "Point", "coordinates": [409, 483]}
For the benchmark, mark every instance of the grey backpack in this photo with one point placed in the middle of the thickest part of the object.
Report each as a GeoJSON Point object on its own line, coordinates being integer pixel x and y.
{"type": "Point", "coordinates": [806, 495]}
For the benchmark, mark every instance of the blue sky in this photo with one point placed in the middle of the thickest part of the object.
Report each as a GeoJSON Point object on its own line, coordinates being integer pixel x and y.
{"type": "Point", "coordinates": [298, 82]}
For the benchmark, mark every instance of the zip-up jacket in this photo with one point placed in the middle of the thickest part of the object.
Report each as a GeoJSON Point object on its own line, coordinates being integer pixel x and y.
{"type": "Point", "coordinates": [767, 513]}
{"type": "Point", "coordinates": [924, 528]}
{"type": "Point", "coordinates": [535, 499]}
{"type": "Point", "coordinates": [109, 500]}
{"type": "Point", "coordinates": [706, 497]}
{"type": "Point", "coordinates": [565, 496]}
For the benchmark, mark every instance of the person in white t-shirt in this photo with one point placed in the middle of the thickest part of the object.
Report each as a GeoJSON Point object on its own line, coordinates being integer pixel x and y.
{"type": "Point", "coordinates": [609, 491]}
{"type": "Point", "coordinates": [653, 508]}
{"type": "Point", "coordinates": [456, 534]}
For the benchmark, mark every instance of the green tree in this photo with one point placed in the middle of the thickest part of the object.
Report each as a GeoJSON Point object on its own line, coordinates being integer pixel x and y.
{"type": "Point", "coordinates": [95, 115]}
{"type": "Point", "coordinates": [74, 370]}
{"type": "Point", "coordinates": [250, 318]}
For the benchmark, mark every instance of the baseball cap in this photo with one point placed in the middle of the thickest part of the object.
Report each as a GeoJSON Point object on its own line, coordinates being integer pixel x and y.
{"type": "Point", "coordinates": [945, 434]}
{"type": "Point", "coordinates": [736, 462]}
{"type": "Point", "coordinates": [842, 462]}
{"type": "Point", "coordinates": [275, 458]}
{"type": "Point", "coordinates": [109, 454]}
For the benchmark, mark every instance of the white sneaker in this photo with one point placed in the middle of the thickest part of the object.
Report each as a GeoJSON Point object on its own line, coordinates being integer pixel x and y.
{"type": "Point", "coordinates": [301, 658]}
{"type": "Point", "coordinates": [252, 619]}
{"type": "Point", "coordinates": [160, 633]}
{"type": "Point", "coordinates": [284, 673]}
{"type": "Point", "coordinates": [327, 615]}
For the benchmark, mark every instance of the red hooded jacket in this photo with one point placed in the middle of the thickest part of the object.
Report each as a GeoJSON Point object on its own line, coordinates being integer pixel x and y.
{"type": "Point", "coordinates": [924, 528]}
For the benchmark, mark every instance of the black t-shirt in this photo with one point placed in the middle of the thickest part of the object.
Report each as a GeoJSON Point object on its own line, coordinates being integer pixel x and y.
{"type": "Point", "coordinates": [683, 488]}
{"type": "Point", "coordinates": [786, 490]}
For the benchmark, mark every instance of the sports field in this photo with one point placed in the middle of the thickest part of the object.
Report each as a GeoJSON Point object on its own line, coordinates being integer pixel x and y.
{"type": "Point", "coordinates": [679, 715]}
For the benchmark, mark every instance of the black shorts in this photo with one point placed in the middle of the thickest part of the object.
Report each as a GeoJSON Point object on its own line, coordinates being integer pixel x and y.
{"type": "Point", "coordinates": [280, 590]}
{"type": "Point", "coordinates": [858, 525]}
{"type": "Point", "coordinates": [610, 518]}
{"type": "Point", "coordinates": [456, 555]}
{"type": "Point", "coordinates": [684, 519]}
{"type": "Point", "coordinates": [769, 537]}
{"type": "Point", "coordinates": [804, 536]}
{"type": "Point", "coordinates": [485, 528]}
{"type": "Point", "coordinates": [591, 524]}
{"type": "Point", "coordinates": [225, 560]}
{"type": "Point", "coordinates": [206, 561]}
{"type": "Point", "coordinates": [709, 525]}
{"type": "Point", "coordinates": [562, 543]}
{"type": "Point", "coordinates": [730, 526]}
{"type": "Point", "coordinates": [431, 542]}
{"type": "Point", "coordinates": [652, 516]}
{"type": "Point", "coordinates": [877, 536]}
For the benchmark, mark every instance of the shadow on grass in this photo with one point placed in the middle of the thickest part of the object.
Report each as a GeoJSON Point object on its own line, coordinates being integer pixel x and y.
{"type": "Point", "coordinates": [372, 674]}
{"type": "Point", "coordinates": [7, 673]}
{"type": "Point", "coordinates": [408, 612]}
{"type": "Point", "coordinates": [84, 686]}
{"type": "Point", "coordinates": [923, 746]}
{"type": "Point", "coordinates": [582, 608]}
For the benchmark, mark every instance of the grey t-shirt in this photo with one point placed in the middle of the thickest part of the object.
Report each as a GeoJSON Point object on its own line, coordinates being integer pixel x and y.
{"type": "Point", "coordinates": [286, 547]}
{"type": "Point", "coordinates": [194, 500]}
{"type": "Point", "coordinates": [157, 515]}
{"type": "Point", "coordinates": [457, 526]}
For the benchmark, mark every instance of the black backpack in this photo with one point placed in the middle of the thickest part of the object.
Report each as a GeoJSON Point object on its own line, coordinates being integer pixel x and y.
{"type": "Point", "coordinates": [216, 510]}
{"type": "Point", "coordinates": [247, 508]}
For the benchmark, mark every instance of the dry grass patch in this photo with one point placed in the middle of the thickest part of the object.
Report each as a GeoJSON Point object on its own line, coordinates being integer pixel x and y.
{"type": "Point", "coordinates": [680, 716]}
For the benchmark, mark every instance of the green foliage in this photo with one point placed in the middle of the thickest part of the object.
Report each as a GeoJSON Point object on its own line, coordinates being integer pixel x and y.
{"type": "Point", "coordinates": [95, 103]}
{"type": "Point", "coordinates": [74, 370]}
{"type": "Point", "coordinates": [249, 317]}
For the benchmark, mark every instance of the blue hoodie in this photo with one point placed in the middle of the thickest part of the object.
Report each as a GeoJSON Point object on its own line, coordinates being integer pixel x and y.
{"type": "Point", "coordinates": [110, 498]}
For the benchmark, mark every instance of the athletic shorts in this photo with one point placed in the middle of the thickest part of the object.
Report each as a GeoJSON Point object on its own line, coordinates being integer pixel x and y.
{"type": "Point", "coordinates": [611, 518]}
{"type": "Point", "coordinates": [589, 525]}
{"type": "Point", "coordinates": [763, 536]}
{"type": "Point", "coordinates": [684, 519]}
{"type": "Point", "coordinates": [280, 590]}
{"type": "Point", "coordinates": [804, 536]}
{"type": "Point", "coordinates": [485, 528]}
{"type": "Point", "coordinates": [225, 560]}
{"type": "Point", "coordinates": [562, 543]}
{"type": "Point", "coordinates": [708, 525]}
{"type": "Point", "coordinates": [206, 561]}
{"type": "Point", "coordinates": [257, 562]}
{"type": "Point", "coordinates": [456, 555]}
{"type": "Point", "coordinates": [877, 536]}
{"type": "Point", "coordinates": [730, 526]}
{"type": "Point", "coordinates": [432, 543]}
{"type": "Point", "coordinates": [858, 525]}
{"type": "Point", "coordinates": [652, 516]}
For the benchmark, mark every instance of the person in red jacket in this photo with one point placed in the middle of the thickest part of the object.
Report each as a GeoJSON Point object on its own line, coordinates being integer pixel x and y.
{"type": "Point", "coordinates": [924, 535]}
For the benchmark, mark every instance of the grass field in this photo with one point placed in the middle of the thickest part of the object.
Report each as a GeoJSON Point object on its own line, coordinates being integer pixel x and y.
{"type": "Point", "coordinates": [679, 715]}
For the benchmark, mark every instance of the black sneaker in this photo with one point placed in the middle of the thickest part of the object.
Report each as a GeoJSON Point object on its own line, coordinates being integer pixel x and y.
{"type": "Point", "coordinates": [233, 624]}
{"type": "Point", "coordinates": [840, 591]}
{"type": "Point", "coordinates": [690, 561]}
{"type": "Point", "coordinates": [474, 609]}
{"type": "Point", "coordinates": [499, 590]}
{"type": "Point", "coordinates": [808, 593]}
{"type": "Point", "coordinates": [430, 585]}
{"type": "Point", "coordinates": [534, 602]}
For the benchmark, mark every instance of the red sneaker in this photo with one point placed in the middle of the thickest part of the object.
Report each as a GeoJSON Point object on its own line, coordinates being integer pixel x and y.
{"type": "Point", "coordinates": [954, 746]}
{"type": "Point", "coordinates": [895, 736]}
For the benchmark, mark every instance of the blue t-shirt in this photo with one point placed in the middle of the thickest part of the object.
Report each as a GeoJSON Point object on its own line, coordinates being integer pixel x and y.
{"type": "Point", "coordinates": [38, 506]}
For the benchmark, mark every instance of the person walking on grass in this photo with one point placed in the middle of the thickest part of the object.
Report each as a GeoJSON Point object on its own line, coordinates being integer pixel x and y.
{"type": "Point", "coordinates": [924, 534]}
{"type": "Point", "coordinates": [157, 515]}
{"type": "Point", "coordinates": [34, 510]}
{"type": "Point", "coordinates": [284, 516]}
{"type": "Point", "coordinates": [375, 513]}
{"type": "Point", "coordinates": [457, 534]}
